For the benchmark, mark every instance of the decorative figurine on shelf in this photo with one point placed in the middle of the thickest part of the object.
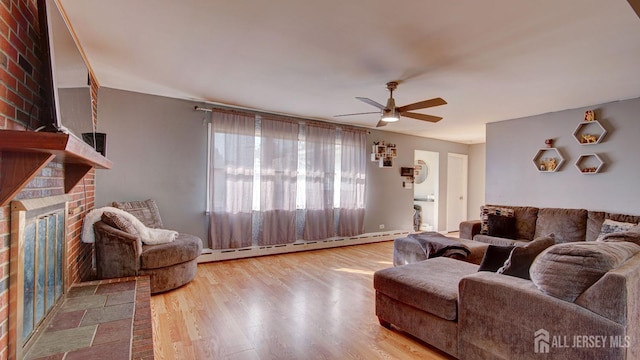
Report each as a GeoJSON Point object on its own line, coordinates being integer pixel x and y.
{"type": "Point", "coordinates": [588, 139]}
{"type": "Point", "coordinates": [543, 167]}
{"type": "Point", "coordinates": [549, 142]}
{"type": "Point", "coordinates": [549, 164]}
{"type": "Point", "coordinates": [589, 115]}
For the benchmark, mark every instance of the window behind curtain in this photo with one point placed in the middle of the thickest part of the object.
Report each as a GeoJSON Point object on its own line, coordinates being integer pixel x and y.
{"type": "Point", "coordinates": [231, 171]}
{"type": "Point", "coordinates": [273, 178]}
{"type": "Point", "coordinates": [352, 183]}
{"type": "Point", "coordinates": [278, 181]}
{"type": "Point", "coordinates": [320, 148]}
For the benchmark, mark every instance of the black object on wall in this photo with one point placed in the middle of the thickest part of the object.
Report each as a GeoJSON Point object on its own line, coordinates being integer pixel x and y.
{"type": "Point", "coordinates": [100, 143]}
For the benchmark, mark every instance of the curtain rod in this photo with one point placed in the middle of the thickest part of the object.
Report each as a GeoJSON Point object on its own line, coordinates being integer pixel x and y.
{"type": "Point", "coordinates": [199, 108]}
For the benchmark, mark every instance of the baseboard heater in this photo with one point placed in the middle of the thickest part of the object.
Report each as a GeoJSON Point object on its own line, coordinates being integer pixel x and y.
{"type": "Point", "coordinates": [209, 255]}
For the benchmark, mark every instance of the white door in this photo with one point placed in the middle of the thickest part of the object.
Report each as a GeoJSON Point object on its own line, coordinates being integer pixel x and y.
{"type": "Point", "coordinates": [456, 191]}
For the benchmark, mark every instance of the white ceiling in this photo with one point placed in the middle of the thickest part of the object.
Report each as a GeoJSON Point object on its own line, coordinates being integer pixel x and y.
{"type": "Point", "coordinates": [490, 60]}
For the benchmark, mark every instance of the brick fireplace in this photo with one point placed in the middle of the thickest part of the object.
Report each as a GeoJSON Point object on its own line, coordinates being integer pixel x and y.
{"type": "Point", "coordinates": [21, 103]}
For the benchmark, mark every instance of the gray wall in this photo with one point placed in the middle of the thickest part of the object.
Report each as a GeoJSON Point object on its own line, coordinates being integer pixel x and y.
{"type": "Point", "coordinates": [388, 202]}
{"type": "Point", "coordinates": [158, 148]}
{"type": "Point", "coordinates": [511, 178]}
{"type": "Point", "coordinates": [477, 164]}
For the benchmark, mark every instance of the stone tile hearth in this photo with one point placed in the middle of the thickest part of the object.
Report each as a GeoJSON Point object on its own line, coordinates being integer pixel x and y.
{"type": "Point", "coordinates": [105, 319]}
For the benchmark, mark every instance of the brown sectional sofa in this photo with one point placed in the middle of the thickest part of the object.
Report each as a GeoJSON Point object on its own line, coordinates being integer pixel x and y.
{"type": "Point", "coordinates": [485, 315]}
{"type": "Point", "coordinates": [531, 222]}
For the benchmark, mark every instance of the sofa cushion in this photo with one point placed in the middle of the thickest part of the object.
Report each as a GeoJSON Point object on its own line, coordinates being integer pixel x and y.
{"type": "Point", "coordinates": [184, 248]}
{"type": "Point", "coordinates": [502, 226]}
{"type": "Point", "coordinates": [566, 270]}
{"type": "Point", "coordinates": [567, 225]}
{"type": "Point", "coordinates": [611, 226]}
{"type": "Point", "coordinates": [430, 285]}
{"type": "Point", "coordinates": [522, 256]}
{"type": "Point", "coordinates": [494, 257]}
{"type": "Point", "coordinates": [487, 210]}
{"type": "Point", "coordinates": [119, 222]}
{"type": "Point", "coordinates": [146, 211]}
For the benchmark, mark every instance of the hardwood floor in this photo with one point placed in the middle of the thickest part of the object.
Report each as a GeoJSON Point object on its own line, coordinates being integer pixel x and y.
{"type": "Point", "coordinates": [309, 305]}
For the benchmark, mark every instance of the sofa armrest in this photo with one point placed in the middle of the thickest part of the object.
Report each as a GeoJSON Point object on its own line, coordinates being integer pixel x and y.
{"type": "Point", "coordinates": [117, 252]}
{"type": "Point", "coordinates": [469, 228]}
{"type": "Point", "coordinates": [499, 315]}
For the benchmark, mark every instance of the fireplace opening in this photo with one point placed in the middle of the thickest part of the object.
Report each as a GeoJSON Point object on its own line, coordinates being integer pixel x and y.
{"type": "Point", "coordinates": [37, 264]}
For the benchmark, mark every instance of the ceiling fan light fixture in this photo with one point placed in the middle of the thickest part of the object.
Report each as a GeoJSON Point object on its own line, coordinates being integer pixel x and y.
{"type": "Point", "coordinates": [390, 116]}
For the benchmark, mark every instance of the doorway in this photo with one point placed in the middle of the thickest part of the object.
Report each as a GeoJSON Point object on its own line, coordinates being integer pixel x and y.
{"type": "Point", "coordinates": [425, 190]}
{"type": "Point", "coordinates": [456, 190]}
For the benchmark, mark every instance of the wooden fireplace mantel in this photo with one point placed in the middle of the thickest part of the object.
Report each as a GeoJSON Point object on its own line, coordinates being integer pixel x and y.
{"type": "Point", "coordinates": [24, 153]}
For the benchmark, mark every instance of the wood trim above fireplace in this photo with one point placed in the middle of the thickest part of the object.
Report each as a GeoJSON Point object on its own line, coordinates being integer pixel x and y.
{"type": "Point", "coordinates": [24, 153]}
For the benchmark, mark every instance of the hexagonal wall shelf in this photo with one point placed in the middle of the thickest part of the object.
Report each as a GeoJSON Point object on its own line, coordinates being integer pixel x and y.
{"type": "Point", "coordinates": [548, 160]}
{"type": "Point", "coordinates": [589, 164]}
{"type": "Point", "coordinates": [589, 132]}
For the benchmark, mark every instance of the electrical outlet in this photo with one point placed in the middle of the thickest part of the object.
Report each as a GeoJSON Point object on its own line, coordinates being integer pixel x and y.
{"type": "Point", "coordinates": [381, 226]}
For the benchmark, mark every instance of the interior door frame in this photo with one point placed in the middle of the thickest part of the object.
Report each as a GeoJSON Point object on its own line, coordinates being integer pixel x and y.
{"type": "Point", "coordinates": [465, 191]}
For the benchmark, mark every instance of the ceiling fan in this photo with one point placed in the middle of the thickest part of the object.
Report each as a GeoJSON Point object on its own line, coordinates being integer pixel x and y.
{"type": "Point", "coordinates": [391, 113]}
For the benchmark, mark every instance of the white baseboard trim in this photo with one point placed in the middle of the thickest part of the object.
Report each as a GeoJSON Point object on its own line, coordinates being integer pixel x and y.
{"type": "Point", "coordinates": [209, 255]}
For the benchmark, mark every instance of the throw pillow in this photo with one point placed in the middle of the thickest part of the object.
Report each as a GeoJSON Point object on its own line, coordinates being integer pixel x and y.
{"type": "Point", "coordinates": [494, 257]}
{"type": "Point", "coordinates": [632, 235]}
{"type": "Point", "coordinates": [146, 211]}
{"type": "Point", "coordinates": [611, 226]}
{"type": "Point", "coordinates": [495, 210]}
{"type": "Point", "coordinates": [119, 222]}
{"type": "Point", "coordinates": [566, 270]}
{"type": "Point", "coordinates": [522, 257]}
{"type": "Point", "coordinates": [502, 226]}
{"type": "Point", "coordinates": [635, 229]}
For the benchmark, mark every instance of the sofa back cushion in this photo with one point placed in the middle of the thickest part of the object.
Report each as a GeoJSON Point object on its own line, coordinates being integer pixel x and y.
{"type": "Point", "coordinates": [525, 220]}
{"type": "Point", "coordinates": [568, 225]}
{"type": "Point", "coordinates": [566, 270]}
{"type": "Point", "coordinates": [597, 218]}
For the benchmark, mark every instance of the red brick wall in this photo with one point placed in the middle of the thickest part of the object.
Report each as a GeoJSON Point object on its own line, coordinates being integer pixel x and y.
{"type": "Point", "coordinates": [21, 84]}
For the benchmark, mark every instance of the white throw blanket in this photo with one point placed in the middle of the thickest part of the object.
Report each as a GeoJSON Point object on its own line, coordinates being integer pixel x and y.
{"type": "Point", "coordinates": [149, 236]}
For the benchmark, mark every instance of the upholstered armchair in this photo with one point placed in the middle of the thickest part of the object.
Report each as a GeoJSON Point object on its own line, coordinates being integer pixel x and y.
{"type": "Point", "coordinates": [120, 251]}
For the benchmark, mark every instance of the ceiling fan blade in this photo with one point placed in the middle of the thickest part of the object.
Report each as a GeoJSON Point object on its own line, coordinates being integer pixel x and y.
{"type": "Point", "coordinates": [635, 4]}
{"type": "Point", "coordinates": [381, 123]}
{"type": "Point", "coordinates": [364, 113]}
{"type": "Point", "coordinates": [422, 117]}
{"type": "Point", "coordinates": [422, 104]}
{"type": "Point", "coordinates": [371, 102]}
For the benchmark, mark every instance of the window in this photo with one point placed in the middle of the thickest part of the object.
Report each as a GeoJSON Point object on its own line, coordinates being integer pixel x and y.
{"type": "Point", "coordinates": [290, 176]}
